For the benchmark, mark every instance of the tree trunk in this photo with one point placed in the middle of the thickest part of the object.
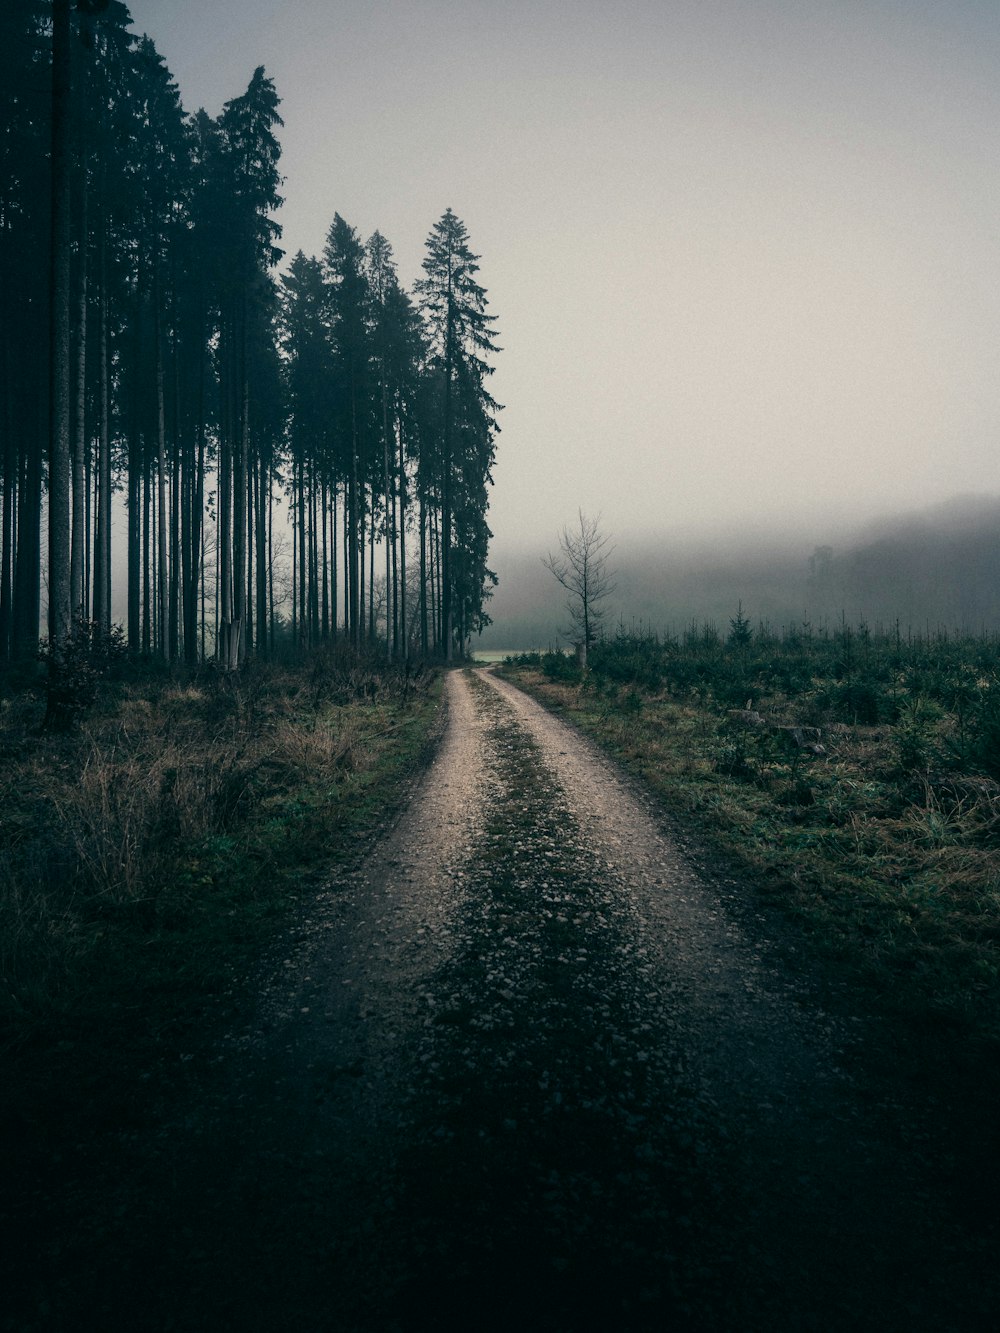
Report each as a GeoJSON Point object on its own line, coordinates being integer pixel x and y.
{"type": "Point", "coordinates": [303, 568]}
{"type": "Point", "coordinates": [333, 561]}
{"type": "Point", "coordinates": [371, 573]}
{"type": "Point", "coordinates": [102, 521]}
{"type": "Point", "coordinates": [445, 562]}
{"type": "Point", "coordinates": [390, 536]}
{"type": "Point", "coordinates": [176, 507]}
{"type": "Point", "coordinates": [225, 545]}
{"type": "Point", "coordinates": [404, 627]}
{"type": "Point", "coordinates": [347, 559]}
{"type": "Point", "coordinates": [325, 602]}
{"type": "Point", "coordinates": [270, 568]}
{"type": "Point", "coordinates": [263, 488]}
{"type": "Point", "coordinates": [28, 562]}
{"type": "Point", "coordinates": [313, 559]}
{"type": "Point", "coordinates": [147, 533]}
{"type": "Point", "coordinates": [248, 628]}
{"type": "Point", "coordinates": [162, 584]}
{"type": "Point", "coordinates": [134, 539]}
{"type": "Point", "coordinates": [89, 518]}
{"type": "Point", "coordinates": [7, 519]}
{"type": "Point", "coordinates": [296, 517]}
{"type": "Point", "coordinates": [437, 604]}
{"type": "Point", "coordinates": [362, 518]}
{"type": "Point", "coordinates": [79, 399]}
{"type": "Point", "coordinates": [187, 555]}
{"type": "Point", "coordinates": [423, 577]}
{"type": "Point", "coordinates": [197, 573]}
{"type": "Point", "coordinates": [102, 552]}
{"type": "Point", "coordinates": [240, 486]}
{"type": "Point", "coordinates": [352, 520]}
{"type": "Point", "coordinates": [59, 347]}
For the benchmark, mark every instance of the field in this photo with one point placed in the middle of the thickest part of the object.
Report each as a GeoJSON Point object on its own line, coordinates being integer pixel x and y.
{"type": "Point", "coordinates": [849, 777]}
{"type": "Point", "coordinates": [150, 855]}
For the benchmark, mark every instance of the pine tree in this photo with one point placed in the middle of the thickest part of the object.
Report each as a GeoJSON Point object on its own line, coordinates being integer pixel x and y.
{"type": "Point", "coordinates": [461, 334]}
{"type": "Point", "coordinates": [25, 137]}
{"type": "Point", "coordinates": [393, 339]}
{"type": "Point", "coordinates": [249, 161]}
{"type": "Point", "coordinates": [349, 316]}
{"type": "Point", "coordinates": [309, 378]}
{"type": "Point", "coordinates": [59, 347]}
{"type": "Point", "coordinates": [143, 242]}
{"type": "Point", "coordinates": [405, 353]}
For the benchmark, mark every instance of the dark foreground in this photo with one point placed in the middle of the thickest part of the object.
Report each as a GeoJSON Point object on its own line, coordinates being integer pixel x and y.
{"type": "Point", "coordinates": [529, 1069]}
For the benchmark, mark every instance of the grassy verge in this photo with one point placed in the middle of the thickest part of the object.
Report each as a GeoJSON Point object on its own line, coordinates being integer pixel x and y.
{"type": "Point", "coordinates": [889, 868]}
{"type": "Point", "coordinates": [147, 859]}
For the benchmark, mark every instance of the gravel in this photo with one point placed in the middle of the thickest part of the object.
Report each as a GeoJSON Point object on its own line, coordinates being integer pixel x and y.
{"type": "Point", "coordinates": [529, 1066]}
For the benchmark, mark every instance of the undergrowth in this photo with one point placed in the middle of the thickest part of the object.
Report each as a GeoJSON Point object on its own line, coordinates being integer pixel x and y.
{"type": "Point", "coordinates": [851, 778]}
{"type": "Point", "coordinates": [147, 855]}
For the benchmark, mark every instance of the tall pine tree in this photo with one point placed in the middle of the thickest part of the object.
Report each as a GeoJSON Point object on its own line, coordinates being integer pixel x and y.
{"type": "Point", "coordinates": [461, 337]}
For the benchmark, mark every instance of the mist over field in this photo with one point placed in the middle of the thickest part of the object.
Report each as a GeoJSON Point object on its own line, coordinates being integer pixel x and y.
{"type": "Point", "coordinates": [934, 568]}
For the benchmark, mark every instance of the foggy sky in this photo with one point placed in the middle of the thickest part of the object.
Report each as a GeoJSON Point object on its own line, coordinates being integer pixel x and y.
{"type": "Point", "coordinates": [744, 253]}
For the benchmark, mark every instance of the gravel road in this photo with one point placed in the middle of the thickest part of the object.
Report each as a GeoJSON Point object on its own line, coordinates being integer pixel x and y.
{"type": "Point", "coordinates": [530, 1068]}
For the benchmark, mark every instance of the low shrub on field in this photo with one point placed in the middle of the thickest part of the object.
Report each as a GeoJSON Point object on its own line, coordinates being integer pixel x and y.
{"type": "Point", "coordinates": [879, 830]}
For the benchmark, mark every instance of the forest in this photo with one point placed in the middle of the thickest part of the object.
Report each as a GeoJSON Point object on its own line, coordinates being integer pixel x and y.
{"type": "Point", "coordinates": [303, 455]}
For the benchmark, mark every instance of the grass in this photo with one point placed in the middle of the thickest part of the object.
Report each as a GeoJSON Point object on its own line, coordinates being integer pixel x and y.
{"type": "Point", "coordinates": [883, 849]}
{"type": "Point", "coordinates": [149, 858]}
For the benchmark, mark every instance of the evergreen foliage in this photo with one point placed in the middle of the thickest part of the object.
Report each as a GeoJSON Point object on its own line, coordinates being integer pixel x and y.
{"type": "Point", "coordinates": [460, 469]}
{"type": "Point", "coordinates": [159, 361]}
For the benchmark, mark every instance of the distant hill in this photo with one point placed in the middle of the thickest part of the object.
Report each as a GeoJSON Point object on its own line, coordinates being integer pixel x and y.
{"type": "Point", "coordinates": [936, 567]}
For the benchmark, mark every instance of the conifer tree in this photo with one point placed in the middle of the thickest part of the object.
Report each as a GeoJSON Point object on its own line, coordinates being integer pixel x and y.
{"type": "Point", "coordinates": [397, 352]}
{"type": "Point", "coordinates": [309, 379]}
{"type": "Point", "coordinates": [349, 326]}
{"type": "Point", "coordinates": [153, 348]}
{"type": "Point", "coordinates": [25, 143]}
{"type": "Point", "coordinates": [461, 336]}
{"type": "Point", "coordinates": [249, 162]}
{"type": "Point", "coordinates": [59, 332]}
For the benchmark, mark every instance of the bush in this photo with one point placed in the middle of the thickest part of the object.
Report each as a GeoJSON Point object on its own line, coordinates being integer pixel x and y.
{"type": "Point", "coordinates": [559, 666]}
{"type": "Point", "coordinates": [980, 747]}
{"type": "Point", "coordinates": [85, 658]}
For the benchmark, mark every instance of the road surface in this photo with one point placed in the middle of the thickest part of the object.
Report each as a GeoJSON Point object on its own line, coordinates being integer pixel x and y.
{"type": "Point", "coordinates": [529, 1068]}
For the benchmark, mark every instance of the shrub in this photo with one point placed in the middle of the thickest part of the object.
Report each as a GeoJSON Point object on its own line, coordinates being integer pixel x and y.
{"type": "Point", "coordinates": [86, 657]}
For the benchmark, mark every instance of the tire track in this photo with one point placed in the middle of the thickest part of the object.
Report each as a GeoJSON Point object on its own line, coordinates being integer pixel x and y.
{"type": "Point", "coordinates": [524, 1068]}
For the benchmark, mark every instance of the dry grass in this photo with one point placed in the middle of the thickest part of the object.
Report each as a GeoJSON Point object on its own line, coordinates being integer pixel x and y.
{"type": "Point", "coordinates": [175, 806]}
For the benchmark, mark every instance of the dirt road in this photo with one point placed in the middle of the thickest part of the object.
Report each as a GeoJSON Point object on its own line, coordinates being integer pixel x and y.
{"type": "Point", "coordinates": [528, 1068]}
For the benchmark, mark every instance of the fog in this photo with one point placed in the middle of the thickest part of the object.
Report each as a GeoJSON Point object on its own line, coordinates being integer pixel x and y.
{"type": "Point", "coordinates": [928, 570]}
{"type": "Point", "coordinates": [743, 254]}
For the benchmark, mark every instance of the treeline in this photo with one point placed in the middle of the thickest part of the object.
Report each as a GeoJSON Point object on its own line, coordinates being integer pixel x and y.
{"type": "Point", "coordinates": [149, 347]}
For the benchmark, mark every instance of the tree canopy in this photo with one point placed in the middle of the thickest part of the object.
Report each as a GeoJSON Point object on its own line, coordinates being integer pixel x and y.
{"type": "Point", "coordinates": [298, 449]}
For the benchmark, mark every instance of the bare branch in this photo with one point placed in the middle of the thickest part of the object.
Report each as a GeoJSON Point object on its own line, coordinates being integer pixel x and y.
{"type": "Point", "coordinates": [581, 568]}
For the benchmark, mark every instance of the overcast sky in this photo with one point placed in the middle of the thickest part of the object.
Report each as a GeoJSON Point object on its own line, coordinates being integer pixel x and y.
{"type": "Point", "coordinates": [744, 253]}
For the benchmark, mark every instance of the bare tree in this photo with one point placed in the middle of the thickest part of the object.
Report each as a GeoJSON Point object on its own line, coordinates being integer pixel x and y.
{"type": "Point", "coordinates": [581, 567]}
